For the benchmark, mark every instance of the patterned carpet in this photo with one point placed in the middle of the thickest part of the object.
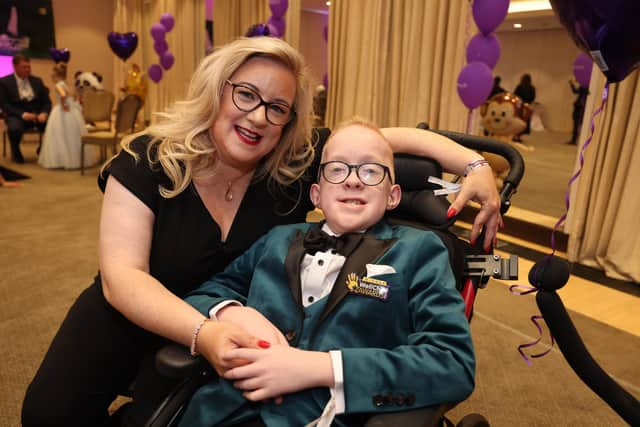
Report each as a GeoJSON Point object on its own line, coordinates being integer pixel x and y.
{"type": "Point", "coordinates": [48, 254]}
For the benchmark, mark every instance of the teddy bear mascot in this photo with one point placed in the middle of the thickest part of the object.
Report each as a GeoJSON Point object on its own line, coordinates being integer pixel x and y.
{"type": "Point", "coordinates": [504, 116]}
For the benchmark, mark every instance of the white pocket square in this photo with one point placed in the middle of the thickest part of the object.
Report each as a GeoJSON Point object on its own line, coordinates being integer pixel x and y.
{"type": "Point", "coordinates": [379, 269]}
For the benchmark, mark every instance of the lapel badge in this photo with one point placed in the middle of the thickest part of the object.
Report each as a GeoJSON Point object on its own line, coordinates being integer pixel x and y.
{"type": "Point", "coordinates": [367, 286]}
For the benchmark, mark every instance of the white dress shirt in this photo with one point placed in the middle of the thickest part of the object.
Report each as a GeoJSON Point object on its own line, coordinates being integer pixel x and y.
{"type": "Point", "coordinates": [25, 91]}
{"type": "Point", "coordinates": [318, 273]}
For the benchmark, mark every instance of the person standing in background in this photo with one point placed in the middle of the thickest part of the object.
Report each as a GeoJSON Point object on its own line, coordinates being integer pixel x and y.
{"type": "Point", "coordinates": [527, 92]}
{"type": "Point", "coordinates": [581, 93]}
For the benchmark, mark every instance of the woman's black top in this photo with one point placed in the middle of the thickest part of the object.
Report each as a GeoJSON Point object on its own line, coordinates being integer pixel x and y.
{"type": "Point", "coordinates": [186, 248]}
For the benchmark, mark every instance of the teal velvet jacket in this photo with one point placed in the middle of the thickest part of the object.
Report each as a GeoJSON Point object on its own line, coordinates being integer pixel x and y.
{"type": "Point", "coordinates": [410, 350]}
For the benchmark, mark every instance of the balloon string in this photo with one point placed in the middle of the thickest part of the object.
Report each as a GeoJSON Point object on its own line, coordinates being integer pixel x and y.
{"type": "Point", "coordinates": [521, 347]}
{"type": "Point", "coordinates": [605, 95]}
{"type": "Point", "coordinates": [469, 121]}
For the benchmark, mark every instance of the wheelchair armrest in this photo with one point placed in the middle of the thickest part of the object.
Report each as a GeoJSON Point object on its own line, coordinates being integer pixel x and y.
{"type": "Point", "coordinates": [175, 361]}
{"type": "Point", "coordinates": [512, 155]}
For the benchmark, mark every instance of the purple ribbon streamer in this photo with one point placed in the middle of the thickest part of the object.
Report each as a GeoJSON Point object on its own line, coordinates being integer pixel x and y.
{"type": "Point", "coordinates": [605, 95]}
{"type": "Point", "coordinates": [521, 347]}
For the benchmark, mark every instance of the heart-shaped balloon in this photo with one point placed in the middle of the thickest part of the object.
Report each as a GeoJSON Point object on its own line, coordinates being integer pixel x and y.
{"type": "Point", "coordinates": [123, 44]}
{"type": "Point", "coordinates": [607, 30]}
{"type": "Point", "coordinates": [60, 55]}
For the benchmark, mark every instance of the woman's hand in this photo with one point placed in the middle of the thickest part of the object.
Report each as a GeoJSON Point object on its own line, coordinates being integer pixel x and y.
{"type": "Point", "coordinates": [279, 370]}
{"type": "Point", "coordinates": [216, 340]}
{"type": "Point", "coordinates": [253, 322]}
{"type": "Point", "coordinates": [480, 186]}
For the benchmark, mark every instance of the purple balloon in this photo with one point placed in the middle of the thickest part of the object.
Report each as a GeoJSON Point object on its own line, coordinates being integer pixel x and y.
{"type": "Point", "coordinates": [488, 14]}
{"type": "Point", "coordinates": [160, 46]}
{"type": "Point", "coordinates": [258, 30]}
{"type": "Point", "coordinates": [277, 26]}
{"type": "Point", "coordinates": [166, 60]}
{"type": "Point", "coordinates": [278, 7]}
{"type": "Point", "coordinates": [582, 67]}
{"type": "Point", "coordinates": [158, 31]}
{"type": "Point", "coordinates": [167, 21]}
{"type": "Point", "coordinates": [123, 45]}
{"type": "Point", "coordinates": [60, 55]}
{"type": "Point", "coordinates": [474, 84]}
{"type": "Point", "coordinates": [606, 30]}
{"type": "Point", "coordinates": [485, 49]}
{"type": "Point", "coordinates": [155, 73]}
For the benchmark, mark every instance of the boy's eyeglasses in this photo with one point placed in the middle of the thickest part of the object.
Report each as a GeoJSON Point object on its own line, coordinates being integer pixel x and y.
{"type": "Point", "coordinates": [247, 99]}
{"type": "Point", "coordinates": [337, 172]}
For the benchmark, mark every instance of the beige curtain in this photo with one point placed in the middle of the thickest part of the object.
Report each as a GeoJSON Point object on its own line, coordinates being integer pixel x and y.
{"type": "Point", "coordinates": [396, 62]}
{"type": "Point", "coordinates": [232, 18]}
{"type": "Point", "coordinates": [602, 224]}
{"type": "Point", "coordinates": [292, 18]}
{"type": "Point", "coordinates": [186, 41]}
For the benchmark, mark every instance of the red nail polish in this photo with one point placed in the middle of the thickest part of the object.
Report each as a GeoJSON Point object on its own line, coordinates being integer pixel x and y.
{"type": "Point", "coordinates": [472, 242]}
{"type": "Point", "coordinates": [264, 344]}
{"type": "Point", "coordinates": [451, 213]}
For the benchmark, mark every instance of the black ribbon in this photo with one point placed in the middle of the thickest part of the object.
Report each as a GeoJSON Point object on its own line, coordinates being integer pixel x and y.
{"type": "Point", "coordinates": [317, 240]}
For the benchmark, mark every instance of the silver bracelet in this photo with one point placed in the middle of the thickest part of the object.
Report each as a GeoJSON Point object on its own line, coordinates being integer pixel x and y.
{"type": "Point", "coordinates": [194, 338]}
{"type": "Point", "coordinates": [474, 165]}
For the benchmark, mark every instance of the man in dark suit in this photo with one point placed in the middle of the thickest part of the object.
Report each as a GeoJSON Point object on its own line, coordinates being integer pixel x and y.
{"type": "Point", "coordinates": [25, 102]}
{"type": "Point", "coordinates": [373, 324]}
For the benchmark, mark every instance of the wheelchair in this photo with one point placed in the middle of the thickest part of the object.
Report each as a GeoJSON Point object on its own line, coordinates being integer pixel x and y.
{"type": "Point", "coordinates": [419, 208]}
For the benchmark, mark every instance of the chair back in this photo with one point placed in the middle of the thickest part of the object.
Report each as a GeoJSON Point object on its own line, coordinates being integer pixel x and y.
{"type": "Point", "coordinates": [97, 105]}
{"type": "Point", "coordinates": [126, 114]}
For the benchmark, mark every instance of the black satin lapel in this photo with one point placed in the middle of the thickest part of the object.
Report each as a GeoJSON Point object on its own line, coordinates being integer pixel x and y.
{"type": "Point", "coordinates": [292, 266]}
{"type": "Point", "coordinates": [369, 250]}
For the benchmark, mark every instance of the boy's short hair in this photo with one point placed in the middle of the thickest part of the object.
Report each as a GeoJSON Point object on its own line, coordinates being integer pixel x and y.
{"type": "Point", "coordinates": [360, 121]}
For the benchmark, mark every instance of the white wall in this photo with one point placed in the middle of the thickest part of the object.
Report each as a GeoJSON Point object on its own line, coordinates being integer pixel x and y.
{"type": "Point", "coordinates": [548, 56]}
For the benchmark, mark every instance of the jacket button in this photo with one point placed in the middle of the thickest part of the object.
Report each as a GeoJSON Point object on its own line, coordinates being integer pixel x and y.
{"type": "Point", "coordinates": [291, 335]}
{"type": "Point", "coordinates": [411, 399]}
{"type": "Point", "coordinates": [399, 399]}
{"type": "Point", "coordinates": [378, 400]}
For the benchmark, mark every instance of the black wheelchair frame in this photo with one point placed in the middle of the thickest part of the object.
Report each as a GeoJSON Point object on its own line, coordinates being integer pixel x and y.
{"type": "Point", "coordinates": [419, 208]}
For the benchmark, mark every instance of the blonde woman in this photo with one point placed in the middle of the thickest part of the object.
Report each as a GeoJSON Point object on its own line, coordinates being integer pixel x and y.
{"type": "Point", "coordinates": [222, 168]}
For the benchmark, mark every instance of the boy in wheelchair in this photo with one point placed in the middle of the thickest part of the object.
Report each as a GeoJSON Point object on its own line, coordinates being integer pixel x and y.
{"type": "Point", "coordinates": [370, 321]}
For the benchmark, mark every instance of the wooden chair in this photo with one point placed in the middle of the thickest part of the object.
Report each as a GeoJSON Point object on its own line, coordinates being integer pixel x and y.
{"type": "Point", "coordinates": [5, 136]}
{"type": "Point", "coordinates": [126, 113]}
{"type": "Point", "coordinates": [97, 106]}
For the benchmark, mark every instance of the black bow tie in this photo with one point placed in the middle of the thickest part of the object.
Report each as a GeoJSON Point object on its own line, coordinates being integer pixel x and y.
{"type": "Point", "coordinates": [317, 240]}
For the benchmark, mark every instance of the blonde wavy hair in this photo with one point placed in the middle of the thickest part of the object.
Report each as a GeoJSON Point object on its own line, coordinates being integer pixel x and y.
{"type": "Point", "coordinates": [181, 142]}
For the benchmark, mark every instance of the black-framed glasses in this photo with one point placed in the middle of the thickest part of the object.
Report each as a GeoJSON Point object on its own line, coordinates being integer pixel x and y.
{"type": "Point", "coordinates": [247, 99]}
{"type": "Point", "coordinates": [337, 172]}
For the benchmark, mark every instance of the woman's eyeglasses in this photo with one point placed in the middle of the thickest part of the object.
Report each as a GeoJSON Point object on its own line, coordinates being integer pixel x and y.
{"type": "Point", "coordinates": [247, 99]}
{"type": "Point", "coordinates": [337, 172]}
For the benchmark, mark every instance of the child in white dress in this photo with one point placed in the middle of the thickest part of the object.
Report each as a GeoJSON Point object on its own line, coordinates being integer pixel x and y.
{"type": "Point", "coordinates": [65, 127]}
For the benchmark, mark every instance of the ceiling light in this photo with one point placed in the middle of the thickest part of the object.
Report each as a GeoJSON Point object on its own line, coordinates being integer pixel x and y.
{"type": "Point", "coordinates": [529, 5]}
{"type": "Point", "coordinates": [517, 25]}
{"type": "Point", "coordinates": [328, 3]}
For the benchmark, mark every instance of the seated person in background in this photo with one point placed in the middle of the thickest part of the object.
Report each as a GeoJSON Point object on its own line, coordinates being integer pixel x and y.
{"type": "Point", "coordinates": [24, 99]}
{"type": "Point", "coordinates": [375, 323]}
